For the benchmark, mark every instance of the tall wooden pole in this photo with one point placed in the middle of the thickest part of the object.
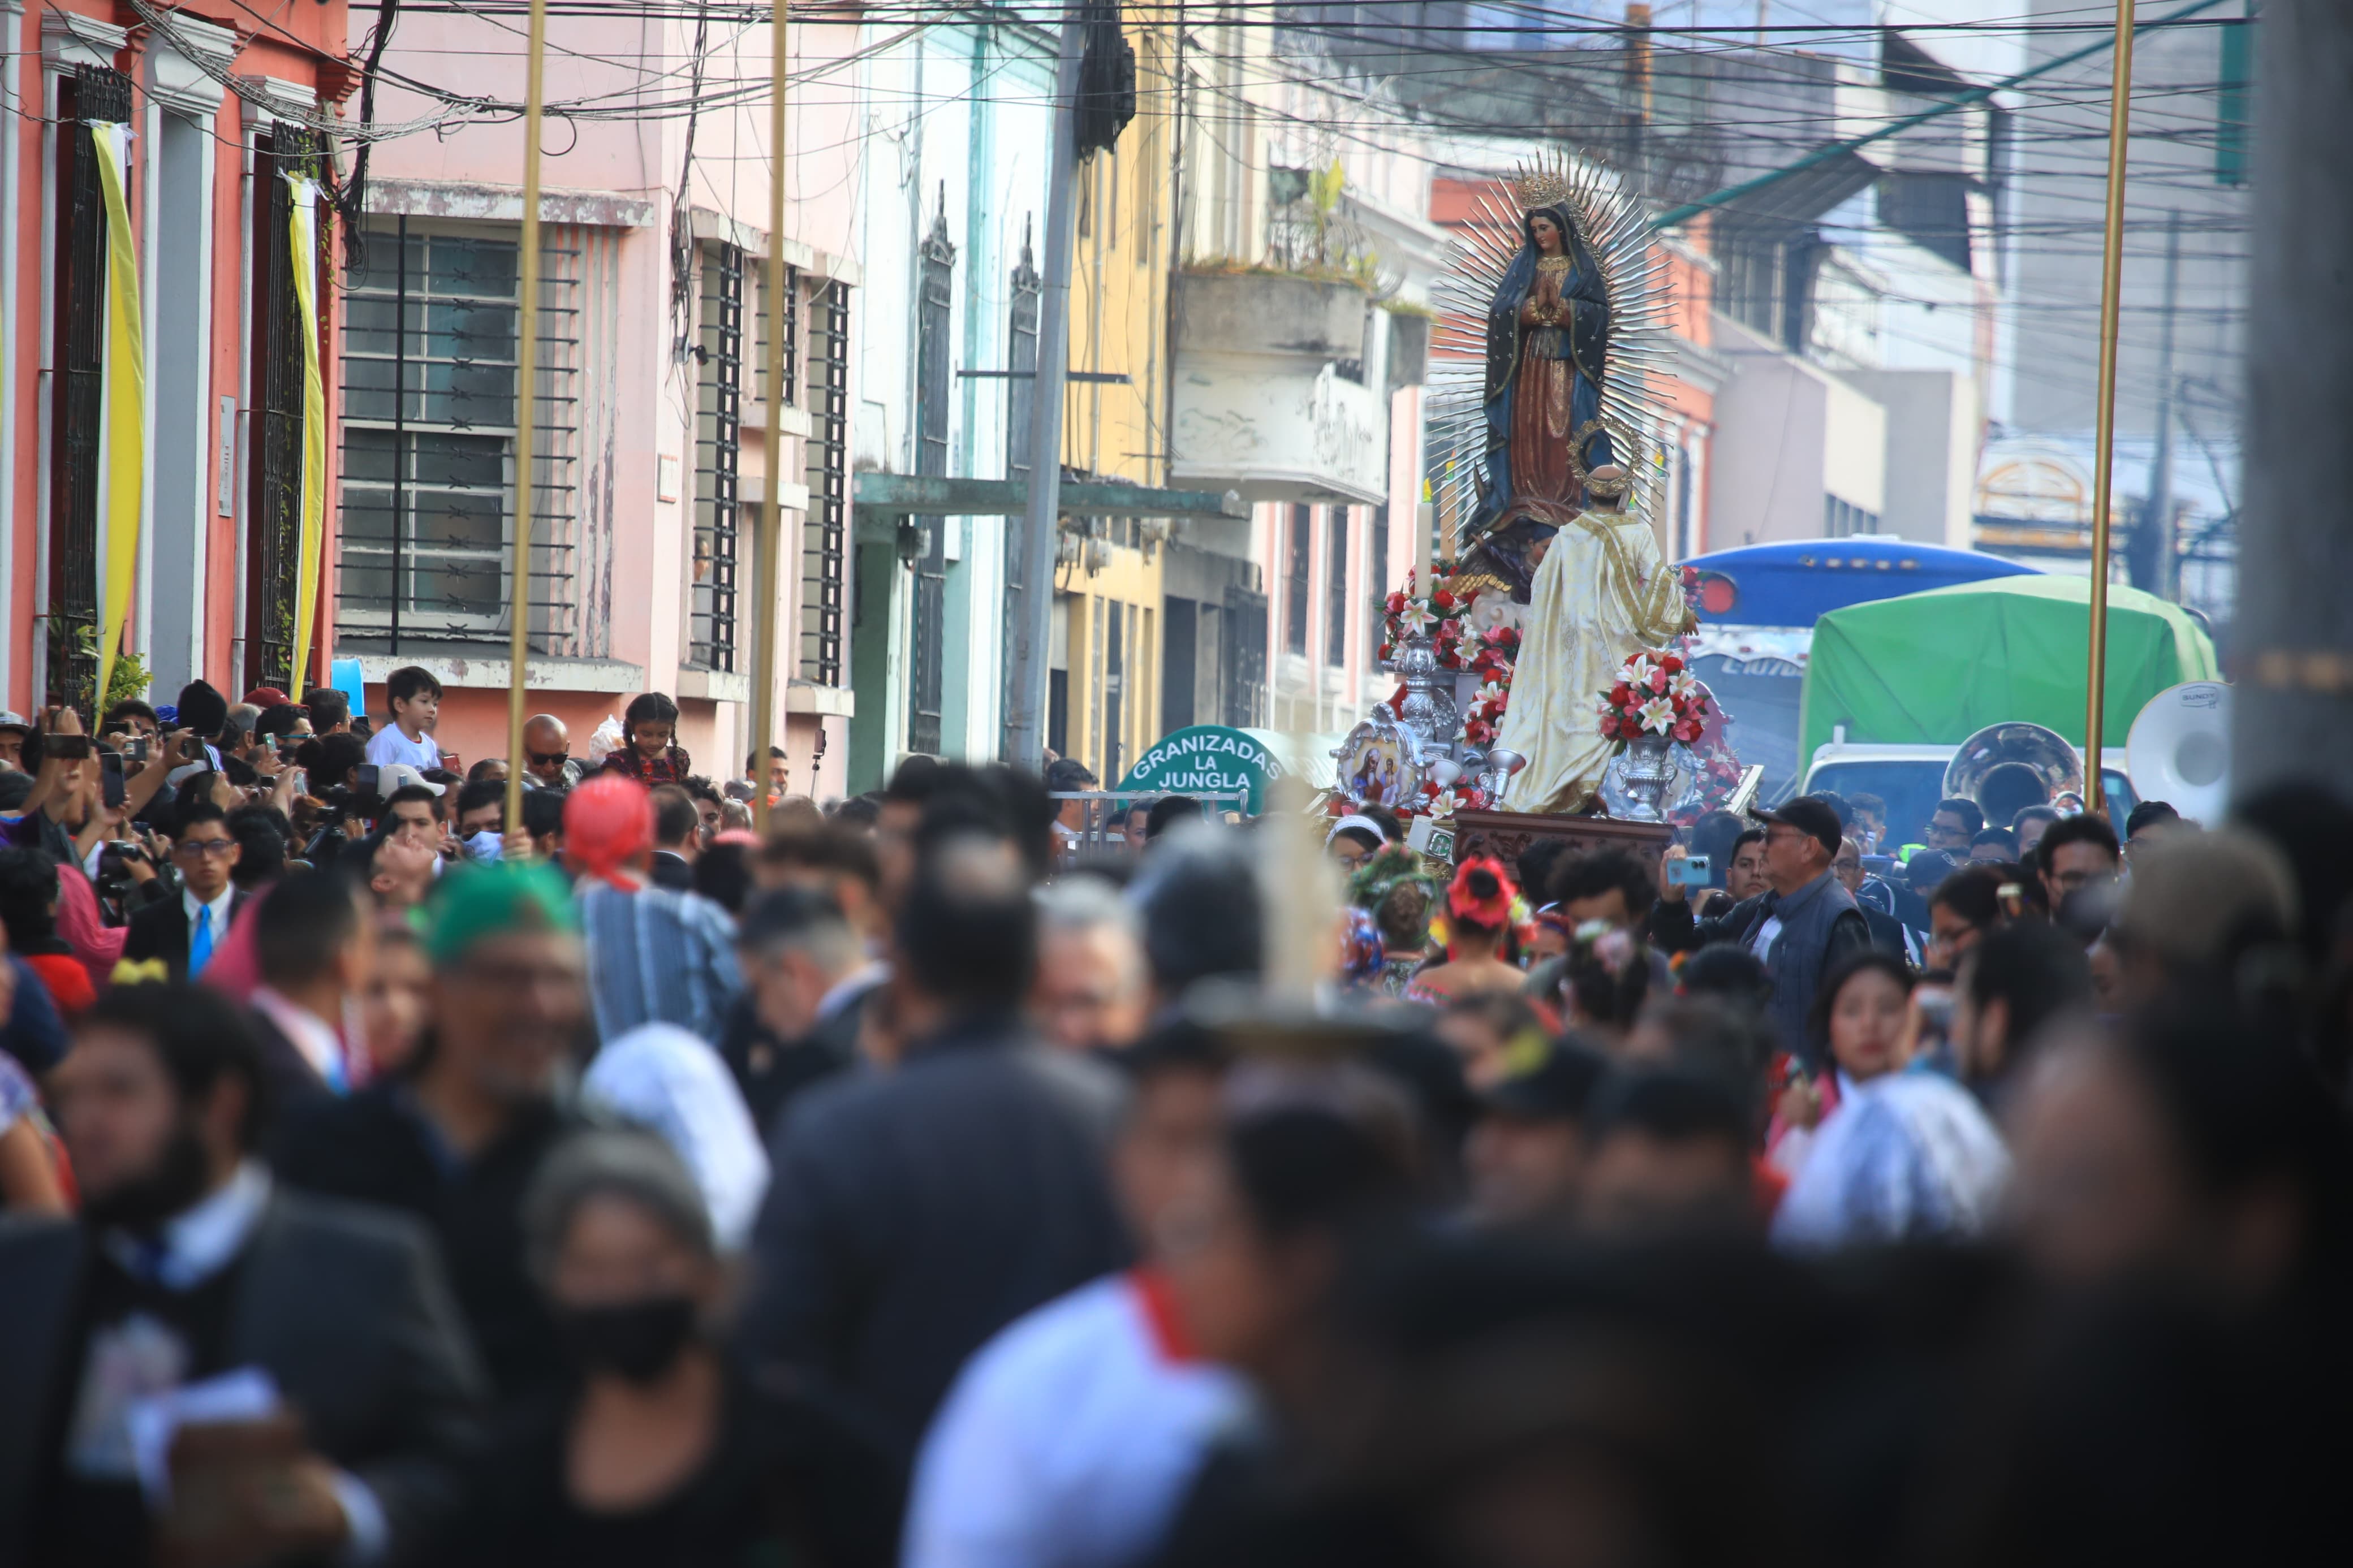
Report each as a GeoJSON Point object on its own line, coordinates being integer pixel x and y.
{"type": "Point", "coordinates": [526, 409]}
{"type": "Point", "coordinates": [764, 563]}
{"type": "Point", "coordinates": [2104, 453]}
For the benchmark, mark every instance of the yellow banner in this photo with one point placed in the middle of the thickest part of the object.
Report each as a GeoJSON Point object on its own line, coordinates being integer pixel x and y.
{"type": "Point", "coordinates": [123, 430]}
{"type": "Point", "coordinates": [305, 234]}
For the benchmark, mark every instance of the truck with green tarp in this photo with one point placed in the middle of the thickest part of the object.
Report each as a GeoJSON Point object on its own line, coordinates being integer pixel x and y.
{"type": "Point", "coordinates": [1928, 670]}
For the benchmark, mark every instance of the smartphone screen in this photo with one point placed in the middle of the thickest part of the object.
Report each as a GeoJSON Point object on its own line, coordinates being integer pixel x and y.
{"type": "Point", "coordinates": [110, 777]}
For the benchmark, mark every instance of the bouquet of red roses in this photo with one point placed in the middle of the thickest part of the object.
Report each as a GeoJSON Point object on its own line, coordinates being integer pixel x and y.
{"type": "Point", "coordinates": [1655, 694]}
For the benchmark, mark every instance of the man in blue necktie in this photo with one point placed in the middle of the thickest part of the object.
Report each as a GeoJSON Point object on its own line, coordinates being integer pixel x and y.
{"type": "Point", "coordinates": [184, 932]}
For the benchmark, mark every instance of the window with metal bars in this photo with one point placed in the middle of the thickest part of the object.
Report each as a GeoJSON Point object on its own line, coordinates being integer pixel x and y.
{"type": "Point", "coordinates": [1295, 586]}
{"type": "Point", "coordinates": [431, 383]}
{"type": "Point", "coordinates": [1241, 663]}
{"type": "Point", "coordinates": [824, 393]}
{"type": "Point", "coordinates": [758, 269]}
{"type": "Point", "coordinates": [1021, 340]}
{"type": "Point", "coordinates": [1117, 636]}
{"type": "Point", "coordinates": [91, 97]}
{"type": "Point", "coordinates": [1336, 588]}
{"type": "Point", "coordinates": [718, 450]}
{"type": "Point", "coordinates": [926, 669]}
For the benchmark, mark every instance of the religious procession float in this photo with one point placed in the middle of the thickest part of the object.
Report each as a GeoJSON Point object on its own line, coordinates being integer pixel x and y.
{"type": "Point", "coordinates": [1544, 679]}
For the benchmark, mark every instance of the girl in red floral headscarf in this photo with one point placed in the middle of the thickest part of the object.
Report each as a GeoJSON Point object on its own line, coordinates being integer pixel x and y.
{"type": "Point", "coordinates": [1478, 934]}
{"type": "Point", "coordinates": [646, 752]}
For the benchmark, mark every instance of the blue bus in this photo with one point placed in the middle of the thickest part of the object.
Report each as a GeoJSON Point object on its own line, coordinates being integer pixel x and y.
{"type": "Point", "coordinates": [1757, 608]}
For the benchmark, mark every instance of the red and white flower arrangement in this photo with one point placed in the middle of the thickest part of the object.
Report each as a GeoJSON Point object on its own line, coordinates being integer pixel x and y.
{"type": "Point", "coordinates": [1441, 615]}
{"type": "Point", "coordinates": [1444, 616]}
{"type": "Point", "coordinates": [1655, 694]}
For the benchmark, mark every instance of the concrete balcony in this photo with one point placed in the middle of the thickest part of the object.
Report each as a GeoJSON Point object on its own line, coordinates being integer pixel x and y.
{"type": "Point", "coordinates": [1281, 389]}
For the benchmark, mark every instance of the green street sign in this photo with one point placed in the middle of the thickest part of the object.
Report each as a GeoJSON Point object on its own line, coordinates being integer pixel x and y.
{"type": "Point", "coordinates": [1206, 759]}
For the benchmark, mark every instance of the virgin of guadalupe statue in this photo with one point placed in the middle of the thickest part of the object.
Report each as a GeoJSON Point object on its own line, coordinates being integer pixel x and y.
{"type": "Point", "coordinates": [1547, 349]}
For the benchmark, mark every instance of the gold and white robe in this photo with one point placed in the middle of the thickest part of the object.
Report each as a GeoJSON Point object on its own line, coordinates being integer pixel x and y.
{"type": "Point", "coordinates": [1600, 594]}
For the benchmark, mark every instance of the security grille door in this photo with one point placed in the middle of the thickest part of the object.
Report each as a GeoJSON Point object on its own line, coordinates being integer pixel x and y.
{"type": "Point", "coordinates": [824, 537]}
{"type": "Point", "coordinates": [718, 451]}
{"type": "Point", "coordinates": [93, 96]}
{"type": "Point", "coordinates": [275, 557]}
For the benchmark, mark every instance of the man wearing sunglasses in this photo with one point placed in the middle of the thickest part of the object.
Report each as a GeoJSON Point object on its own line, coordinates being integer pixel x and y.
{"type": "Point", "coordinates": [186, 931]}
{"type": "Point", "coordinates": [547, 754]}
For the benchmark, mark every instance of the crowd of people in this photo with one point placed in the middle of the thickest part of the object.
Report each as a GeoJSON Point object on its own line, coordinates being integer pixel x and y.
{"type": "Point", "coordinates": [940, 1178]}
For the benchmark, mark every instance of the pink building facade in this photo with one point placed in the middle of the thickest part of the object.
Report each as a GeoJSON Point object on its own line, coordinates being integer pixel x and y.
{"type": "Point", "coordinates": [652, 404]}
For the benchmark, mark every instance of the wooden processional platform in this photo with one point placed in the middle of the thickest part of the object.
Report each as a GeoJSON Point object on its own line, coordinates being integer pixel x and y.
{"type": "Point", "coordinates": [1506, 834]}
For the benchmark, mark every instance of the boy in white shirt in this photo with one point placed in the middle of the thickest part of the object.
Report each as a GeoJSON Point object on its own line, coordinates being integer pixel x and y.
{"type": "Point", "coordinates": [414, 699]}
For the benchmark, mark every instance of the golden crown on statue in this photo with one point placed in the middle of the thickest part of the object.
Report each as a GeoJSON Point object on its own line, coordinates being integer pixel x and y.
{"type": "Point", "coordinates": [1539, 187]}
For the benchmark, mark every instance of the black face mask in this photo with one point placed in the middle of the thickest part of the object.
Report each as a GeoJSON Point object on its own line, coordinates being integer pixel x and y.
{"type": "Point", "coordinates": [171, 1187]}
{"type": "Point", "coordinates": [637, 1340]}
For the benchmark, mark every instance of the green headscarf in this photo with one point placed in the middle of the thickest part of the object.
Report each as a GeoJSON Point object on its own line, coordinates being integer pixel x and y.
{"type": "Point", "coordinates": [475, 902]}
{"type": "Point", "coordinates": [1381, 875]}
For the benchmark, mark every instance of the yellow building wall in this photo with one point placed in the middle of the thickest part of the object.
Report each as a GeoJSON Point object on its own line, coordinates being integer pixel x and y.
{"type": "Point", "coordinates": [1119, 308]}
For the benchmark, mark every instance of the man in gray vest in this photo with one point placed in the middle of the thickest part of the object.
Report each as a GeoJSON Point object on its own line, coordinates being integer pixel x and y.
{"type": "Point", "coordinates": [1799, 927]}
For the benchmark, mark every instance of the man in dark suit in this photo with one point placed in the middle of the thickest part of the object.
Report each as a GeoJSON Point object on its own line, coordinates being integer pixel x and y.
{"type": "Point", "coordinates": [186, 931]}
{"type": "Point", "coordinates": [313, 946]}
{"type": "Point", "coordinates": [678, 829]}
{"type": "Point", "coordinates": [806, 984]}
{"type": "Point", "coordinates": [190, 1262]}
{"type": "Point", "coordinates": [913, 1213]}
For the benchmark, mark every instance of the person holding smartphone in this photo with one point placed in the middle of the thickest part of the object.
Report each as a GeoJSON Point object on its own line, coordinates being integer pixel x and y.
{"type": "Point", "coordinates": [60, 754]}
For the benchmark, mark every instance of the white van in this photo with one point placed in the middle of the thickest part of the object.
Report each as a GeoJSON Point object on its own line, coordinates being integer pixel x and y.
{"type": "Point", "coordinates": [1910, 780]}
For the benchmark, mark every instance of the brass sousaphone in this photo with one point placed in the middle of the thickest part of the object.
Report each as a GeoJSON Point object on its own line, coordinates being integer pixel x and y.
{"type": "Point", "coordinates": [2044, 750]}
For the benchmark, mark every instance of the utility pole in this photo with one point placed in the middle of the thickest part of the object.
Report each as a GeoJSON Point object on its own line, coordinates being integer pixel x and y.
{"type": "Point", "coordinates": [1031, 648]}
{"type": "Point", "coordinates": [2152, 562]}
{"type": "Point", "coordinates": [2292, 716]}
